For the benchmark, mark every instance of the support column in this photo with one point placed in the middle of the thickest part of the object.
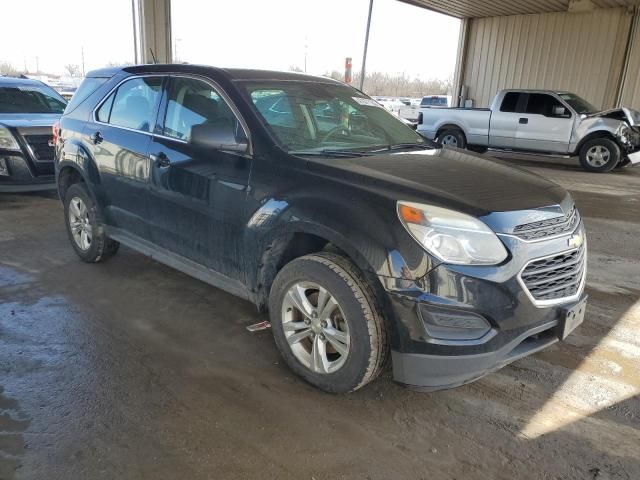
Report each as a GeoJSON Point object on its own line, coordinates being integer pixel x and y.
{"type": "Point", "coordinates": [461, 60]}
{"type": "Point", "coordinates": [153, 31]}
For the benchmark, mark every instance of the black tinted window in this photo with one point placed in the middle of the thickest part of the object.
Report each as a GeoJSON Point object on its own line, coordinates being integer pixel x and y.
{"type": "Point", "coordinates": [30, 98]}
{"type": "Point", "coordinates": [135, 102]}
{"type": "Point", "coordinates": [543, 104]}
{"type": "Point", "coordinates": [102, 115]}
{"type": "Point", "coordinates": [510, 102]}
{"type": "Point", "coordinates": [194, 102]}
{"type": "Point", "coordinates": [86, 88]}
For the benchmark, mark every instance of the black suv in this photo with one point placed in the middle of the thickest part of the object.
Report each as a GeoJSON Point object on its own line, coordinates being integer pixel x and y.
{"type": "Point", "coordinates": [28, 111]}
{"type": "Point", "coordinates": [304, 196]}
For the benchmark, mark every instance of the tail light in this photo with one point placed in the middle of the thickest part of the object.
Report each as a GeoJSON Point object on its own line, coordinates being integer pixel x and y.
{"type": "Point", "coordinates": [56, 133]}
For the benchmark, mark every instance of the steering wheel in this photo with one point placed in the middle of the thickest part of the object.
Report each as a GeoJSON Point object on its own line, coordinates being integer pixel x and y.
{"type": "Point", "coordinates": [334, 131]}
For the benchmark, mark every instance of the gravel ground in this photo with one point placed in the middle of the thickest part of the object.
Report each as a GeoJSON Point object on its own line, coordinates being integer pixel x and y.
{"type": "Point", "coordinates": [131, 370]}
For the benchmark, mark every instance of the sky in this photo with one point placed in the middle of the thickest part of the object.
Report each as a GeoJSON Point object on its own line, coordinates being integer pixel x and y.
{"type": "Point", "coordinates": [272, 34]}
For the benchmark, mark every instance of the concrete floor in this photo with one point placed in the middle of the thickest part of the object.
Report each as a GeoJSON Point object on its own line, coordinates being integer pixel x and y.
{"type": "Point", "coordinates": [130, 370]}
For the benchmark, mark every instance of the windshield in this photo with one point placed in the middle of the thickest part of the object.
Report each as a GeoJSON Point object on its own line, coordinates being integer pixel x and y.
{"type": "Point", "coordinates": [30, 98]}
{"type": "Point", "coordinates": [580, 105]}
{"type": "Point", "coordinates": [322, 117]}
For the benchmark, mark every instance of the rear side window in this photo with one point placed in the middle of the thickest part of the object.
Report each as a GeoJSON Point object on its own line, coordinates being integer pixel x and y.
{"type": "Point", "coordinates": [510, 102]}
{"type": "Point", "coordinates": [133, 105]}
{"type": "Point", "coordinates": [86, 88]}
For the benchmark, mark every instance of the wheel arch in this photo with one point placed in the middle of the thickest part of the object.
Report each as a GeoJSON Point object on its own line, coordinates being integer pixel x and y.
{"type": "Point", "coordinates": [597, 134]}
{"type": "Point", "coordinates": [450, 126]}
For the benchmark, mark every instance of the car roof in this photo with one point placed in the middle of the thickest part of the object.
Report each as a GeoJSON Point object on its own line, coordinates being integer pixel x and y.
{"type": "Point", "coordinates": [233, 74]}
{"type": "Point", "coordinates": [16, 81]}
{"type": "Point", "coordinates": [534, 90]}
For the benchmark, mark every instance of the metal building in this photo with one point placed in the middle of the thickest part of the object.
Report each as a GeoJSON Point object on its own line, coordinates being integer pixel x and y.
{"type": "Point", "coordinates": [590, 47]}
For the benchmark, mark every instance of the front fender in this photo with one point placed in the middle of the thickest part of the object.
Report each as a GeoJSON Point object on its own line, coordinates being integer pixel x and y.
{"type": "Point", "coordinates": [369, 232]}
{"type": "Point", "coordinates": [592, 127]}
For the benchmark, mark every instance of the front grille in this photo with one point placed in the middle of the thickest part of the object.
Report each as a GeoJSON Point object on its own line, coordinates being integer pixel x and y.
{"type": "Point", "coordinates": [548, 228]}
{"type": "Point", "coordinates": [40, 146]}
{"type": "Point", "coordinates": [555, 277]}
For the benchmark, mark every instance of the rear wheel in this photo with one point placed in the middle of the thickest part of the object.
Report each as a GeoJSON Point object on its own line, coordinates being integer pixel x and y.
{"type": "Point", "coordinates": [84, 226]}
{"type": "Point", "coordinates": [452, 137]}
{"type": "Point", "coordinates": [326, 323]}
{"type": "Point", "coordinates": [599, 155]}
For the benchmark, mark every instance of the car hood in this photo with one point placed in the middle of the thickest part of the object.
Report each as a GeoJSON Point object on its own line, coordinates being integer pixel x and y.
{"type": "Point", "coordinates": [449, 177]}
{"type": "Point", "coordinates": [28, 119]}
{"type": "Point", "coordinates": [631, 116]}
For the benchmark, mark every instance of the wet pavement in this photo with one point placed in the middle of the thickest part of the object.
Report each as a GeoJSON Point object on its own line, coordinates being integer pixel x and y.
{"type": "Point", "coordinates": [131, 370]}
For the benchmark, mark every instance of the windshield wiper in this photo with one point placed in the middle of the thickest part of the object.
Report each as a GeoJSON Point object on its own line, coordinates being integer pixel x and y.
{"type": "Point", "coordinates": [399, 146]}
{"type": "Point", "coordinates": [331, 153]}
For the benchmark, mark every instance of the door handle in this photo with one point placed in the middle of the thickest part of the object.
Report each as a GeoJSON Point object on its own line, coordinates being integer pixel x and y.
{"type": "Point", "coordinates": [96, 138]}
{"type": "Point", "coordinates": [523, 121]}
{"type": "Point", "coordinates": [161, 159]}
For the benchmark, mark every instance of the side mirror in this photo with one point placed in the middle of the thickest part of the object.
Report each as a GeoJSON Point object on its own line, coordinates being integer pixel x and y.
{"type": "Point", "coordinates": [559, 111]}
{"type": "Point", "coordinates": [219, 136]}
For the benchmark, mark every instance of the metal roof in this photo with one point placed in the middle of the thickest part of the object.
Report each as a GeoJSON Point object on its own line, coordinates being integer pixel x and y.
{"type": "Point", "coordinates": [497, 8]}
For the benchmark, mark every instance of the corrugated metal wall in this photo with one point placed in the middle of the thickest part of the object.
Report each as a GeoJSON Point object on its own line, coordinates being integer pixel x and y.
{"type": "Point", "coordinates": [630, 96]}
{"type": "Point", "coordinates": [579, 52]}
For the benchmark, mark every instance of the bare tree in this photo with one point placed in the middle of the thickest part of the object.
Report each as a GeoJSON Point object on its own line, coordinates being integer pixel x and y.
{"type": "Point", "coordinates": [7, 69]}
{"type": "Point", "coordinates": [73, 70]}
{"type": "Point", "coordinates": [118, 64]}
{"type": "Point", "coordinates": [295, 68]}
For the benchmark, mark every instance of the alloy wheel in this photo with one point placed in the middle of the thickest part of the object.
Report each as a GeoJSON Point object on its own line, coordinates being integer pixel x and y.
{"type": "Point", "coordinates": [79, 223]}
{"type": "Point", "coordinates": [598, 155]}
{"type": "Point", "coordinates": [315, 327]}
{"type": "Point", "coordinates": [449, 140]}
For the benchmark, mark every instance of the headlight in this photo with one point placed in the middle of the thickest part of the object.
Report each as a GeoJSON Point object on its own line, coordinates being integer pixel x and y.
{"type": "Point", "coordinates": [451, 236]}
{"type": "Point", "coordinates": [7, 140]}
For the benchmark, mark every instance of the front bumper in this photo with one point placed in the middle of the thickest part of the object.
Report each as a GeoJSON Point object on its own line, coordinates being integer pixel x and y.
{"type": "Point", "coordinates": [517, 324]}
{"type": "Point", "coordinates": [634, 158]}
{"type": "Point", "coordinates": [23, 175]}
{"type": "Point", "coordinates": [437, 372]}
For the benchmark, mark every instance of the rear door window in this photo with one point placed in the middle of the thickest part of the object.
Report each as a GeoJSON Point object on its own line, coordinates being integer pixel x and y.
{"type": "Point", "coordinates": [510, 102]}
{"type": "Point", "coordinates": [134, 104]}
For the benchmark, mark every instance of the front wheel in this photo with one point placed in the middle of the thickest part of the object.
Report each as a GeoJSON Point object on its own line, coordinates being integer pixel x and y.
{"type": "Point", "coordinates": [599, 155]}
{"type": "Point", "coordinates": [326, 323]}
{"type": "Point", "coordinates": [452, 138]}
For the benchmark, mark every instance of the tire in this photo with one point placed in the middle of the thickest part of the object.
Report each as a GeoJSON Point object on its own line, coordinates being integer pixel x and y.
{"type": "Point", "coordinates": [477, 148]}
{"type": "Point", "coordinates": [599, 155]}
{"type": "Point", "coordinates": [356, 313]}
{"type": "Point", "coordinates": [452, 137]}
{"type": "Point", "coordinates": [80, 210]}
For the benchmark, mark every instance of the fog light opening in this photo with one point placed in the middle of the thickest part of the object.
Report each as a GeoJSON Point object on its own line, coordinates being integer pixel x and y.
{"type": "Point", "coordinates": [450, 324]}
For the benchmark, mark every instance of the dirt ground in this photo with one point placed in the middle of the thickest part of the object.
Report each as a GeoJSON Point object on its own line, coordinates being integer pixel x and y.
{"type": "Point", "coordinates": [131, 370]}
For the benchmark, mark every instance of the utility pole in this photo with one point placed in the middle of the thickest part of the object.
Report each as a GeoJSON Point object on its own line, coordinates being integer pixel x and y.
{"type": "Point", "coordinates": [135, 32]}
{"type": "Point", "coordinates": [82, 55]}
{"type": "Point", "coordinates": [366, 44]}
{"type": "Point", "coordinates": [37, 65]}
{"type": "Point", "coordinates": [306, 46]}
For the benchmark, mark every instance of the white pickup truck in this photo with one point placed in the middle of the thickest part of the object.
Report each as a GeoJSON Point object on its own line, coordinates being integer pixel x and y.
{"type": "Point", "coordinates": [541, 122]}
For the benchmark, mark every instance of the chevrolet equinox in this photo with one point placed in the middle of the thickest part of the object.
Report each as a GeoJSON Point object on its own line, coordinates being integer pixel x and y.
{"type": "Point", "coordinates": [301, 194]}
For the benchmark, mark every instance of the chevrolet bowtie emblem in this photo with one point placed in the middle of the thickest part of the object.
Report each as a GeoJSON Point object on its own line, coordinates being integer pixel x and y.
{"type": "Point", "coordinates": [576, 240]}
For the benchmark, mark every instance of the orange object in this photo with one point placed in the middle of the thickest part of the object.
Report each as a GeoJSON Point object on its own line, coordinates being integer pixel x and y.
{"type": "Point", "coordinates": [410, 214]}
